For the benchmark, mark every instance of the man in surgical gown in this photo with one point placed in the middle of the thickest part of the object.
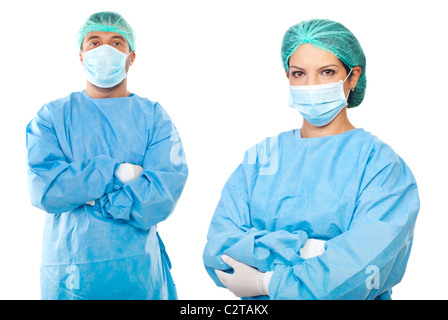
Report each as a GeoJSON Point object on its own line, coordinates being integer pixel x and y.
{"type": "Point", "coordinates": [100, 239]}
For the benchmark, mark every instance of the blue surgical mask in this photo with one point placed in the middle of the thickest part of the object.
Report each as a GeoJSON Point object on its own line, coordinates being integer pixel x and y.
{"type": "Point", "coordinates": [319, 104]}
{"type": "Point", "coordinates": [105, 66]}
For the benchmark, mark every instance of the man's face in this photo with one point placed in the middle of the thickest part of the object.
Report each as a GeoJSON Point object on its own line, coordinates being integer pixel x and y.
{"type": "Point", "coordinates": [96, 39]}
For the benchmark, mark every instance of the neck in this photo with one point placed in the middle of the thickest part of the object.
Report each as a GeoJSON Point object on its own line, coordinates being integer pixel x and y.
{"type": "Point", "coordinates": [120, 90]}
{"type": "Point", "coordinates": [340, 124]}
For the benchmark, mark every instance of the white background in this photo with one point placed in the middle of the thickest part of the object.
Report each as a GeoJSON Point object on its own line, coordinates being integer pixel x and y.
{"type": "Point", "coordinates": [215, 67]}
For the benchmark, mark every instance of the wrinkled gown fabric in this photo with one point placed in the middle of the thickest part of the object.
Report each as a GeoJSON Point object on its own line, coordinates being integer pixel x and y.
{"type": "Point", "coordinates": [110, 250]}
{"type": "Point", "coordinates": [351, 190]}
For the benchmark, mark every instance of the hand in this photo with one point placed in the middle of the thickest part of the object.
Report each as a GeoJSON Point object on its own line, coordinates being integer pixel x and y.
{"type": "Point", "coordinates": [245, 280]}
{"type": "Point", "coordinates": [128, 172]}
{"type": "Point", "coordinates": [312, 248]}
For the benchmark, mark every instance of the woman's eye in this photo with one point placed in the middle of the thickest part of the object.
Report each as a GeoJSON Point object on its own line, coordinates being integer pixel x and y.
{"type": "Point", "coordinates": [328, 72]}
{"type": "Point", "coordinates": [297, 74]}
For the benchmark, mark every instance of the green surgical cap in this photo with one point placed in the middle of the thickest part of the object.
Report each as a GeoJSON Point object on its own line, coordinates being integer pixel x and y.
{"type": "Point", "coordinates": [333, 37]}
{"type": "Point", "coordinates": [110, 22]}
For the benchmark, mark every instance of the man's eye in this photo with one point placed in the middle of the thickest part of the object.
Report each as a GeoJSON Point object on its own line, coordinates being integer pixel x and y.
{"type": "Point", "coordinates": [94, 43]}
{"type": "Point", "coordinates": [116, 43]}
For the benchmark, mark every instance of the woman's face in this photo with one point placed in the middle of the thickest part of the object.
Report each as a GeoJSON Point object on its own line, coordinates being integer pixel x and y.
{"type": "Point", "coordinates": [311, 66]}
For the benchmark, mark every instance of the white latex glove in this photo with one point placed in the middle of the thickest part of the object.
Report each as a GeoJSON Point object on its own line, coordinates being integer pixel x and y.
{"type": "Point", "coordinates": [312, 248]}
{"type": "Point", "coordinates": [245, 280]}
{"type": "Point", "coordinates": [128, 172]}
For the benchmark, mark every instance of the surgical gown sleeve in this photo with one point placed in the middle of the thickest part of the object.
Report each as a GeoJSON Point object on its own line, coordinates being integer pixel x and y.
{"type": "Point", "coordinates": [370, 257]}
{"type": "Point", "coordinates": [56, 184]}
{"type": "Point", "coordinates": [232, 231]}
{"type": "Point", "coordinates": [151, 198]}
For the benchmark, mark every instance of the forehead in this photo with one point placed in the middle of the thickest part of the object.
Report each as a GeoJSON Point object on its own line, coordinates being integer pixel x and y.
{"type": "Point", "coordinates": [103, 35]}
{"type": "Point", "coordinates": [307, 55]}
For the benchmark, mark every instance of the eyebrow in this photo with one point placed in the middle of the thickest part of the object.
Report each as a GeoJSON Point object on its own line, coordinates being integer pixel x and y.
{"type": "Point", "coordinates": [97, 37]}
{"type": "Point", "coordinates": [296, 68]}
{"type": "Point", "coordinates": [92, 37]}
{"type": "Point", "coordinates": [327, 66]}
{"type": "Point", "coordinates": [321, 68]}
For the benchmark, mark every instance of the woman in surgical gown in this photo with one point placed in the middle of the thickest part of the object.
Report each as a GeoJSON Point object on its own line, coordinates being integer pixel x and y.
{"type": "Point", "coordinates": [326, 181]}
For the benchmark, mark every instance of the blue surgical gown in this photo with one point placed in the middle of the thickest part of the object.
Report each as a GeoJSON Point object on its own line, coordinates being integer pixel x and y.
{"type": "Point", "coordinates": [351, 190]}
{"type": "Point", "coordinates": [110, 250]}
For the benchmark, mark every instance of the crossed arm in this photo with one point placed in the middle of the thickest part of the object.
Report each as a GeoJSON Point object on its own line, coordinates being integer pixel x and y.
{"type": "Point", "coordinates": [380, 235]}
{"type": "Point", "coordinates": [57, 185]}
